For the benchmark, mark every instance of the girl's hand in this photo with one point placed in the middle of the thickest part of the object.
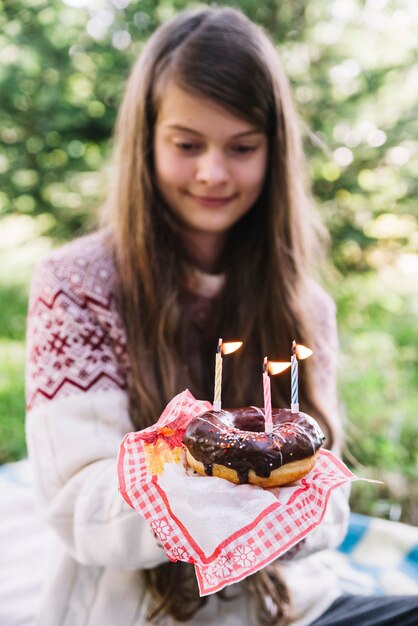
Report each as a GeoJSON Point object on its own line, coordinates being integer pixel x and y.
{"type": "Point", "coordinates": [291, 553]}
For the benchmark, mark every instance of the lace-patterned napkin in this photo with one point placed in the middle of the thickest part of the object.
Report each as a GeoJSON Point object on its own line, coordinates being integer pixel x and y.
{"type": "Point", "coordinates": [227, 531]}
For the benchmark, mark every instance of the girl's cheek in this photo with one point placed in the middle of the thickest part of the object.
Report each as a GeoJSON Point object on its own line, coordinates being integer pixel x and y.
{"type": "Point", "coordinates": [250, 174]}
{"type": "Point", "coordinates": [170, 165]}
{"type": "Point", "coordinates": [178, 160]}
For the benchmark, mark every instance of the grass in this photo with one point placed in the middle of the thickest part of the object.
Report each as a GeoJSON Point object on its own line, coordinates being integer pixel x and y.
{"type": "Point", "coordinates": [379, 389]}
{"type": "Point", "coordinates": [378, 374]}
{"type": "Point", "coordinates": [12, 405]}
{"type": "Point", "coordinates": [12, 354]}
{"type": "Point", "coordinates": [21, 246]}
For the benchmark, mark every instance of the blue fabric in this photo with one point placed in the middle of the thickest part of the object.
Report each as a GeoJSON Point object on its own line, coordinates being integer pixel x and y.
{"type": "Point", "coordinates": [377, 557]}
{"type": "Point", "coordinates": [359, 525]}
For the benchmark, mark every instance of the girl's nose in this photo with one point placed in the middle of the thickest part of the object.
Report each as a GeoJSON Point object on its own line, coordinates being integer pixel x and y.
{"type": "Point", "coordinates": [212, 169]}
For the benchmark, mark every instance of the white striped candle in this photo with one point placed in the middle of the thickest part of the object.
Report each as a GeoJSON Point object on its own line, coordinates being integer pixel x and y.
{"type": "Point", "coordinates": [217, 405]}
{"type": "Point", "coordinates": [294, 405]}
{"type": "Point", "coordinates": [222, 348]}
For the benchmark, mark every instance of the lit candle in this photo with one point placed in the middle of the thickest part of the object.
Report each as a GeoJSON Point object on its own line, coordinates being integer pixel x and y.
{"type": "Point", "coordinates": [294, 405]}
{"type": "Point", "coordinates": [274, 367]}
{"type": "Point", "coordinates": [268, 419]}
{"type": "Point", "coordinates": [222, 348]}
{"type": "Point", "coordinates": [299, 352]}
{"type": "Point", "coordinates": [218, 377]}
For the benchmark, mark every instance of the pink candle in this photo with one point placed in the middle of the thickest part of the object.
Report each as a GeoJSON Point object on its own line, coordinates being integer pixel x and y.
{"type": "Point", "coordinates": [268, 419]}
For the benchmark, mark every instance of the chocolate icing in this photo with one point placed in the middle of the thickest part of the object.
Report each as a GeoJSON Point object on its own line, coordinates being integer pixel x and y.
{"type": "Point", "coordinates": [236, 438]}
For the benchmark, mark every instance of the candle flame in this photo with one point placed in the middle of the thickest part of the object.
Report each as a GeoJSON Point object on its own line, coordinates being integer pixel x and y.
{"type": "Point", "coordinates": [231, 346]}
{"type": "Point", "coordinates": [302, 352]}
{"type": "Point", "coordinates": [276, 367]}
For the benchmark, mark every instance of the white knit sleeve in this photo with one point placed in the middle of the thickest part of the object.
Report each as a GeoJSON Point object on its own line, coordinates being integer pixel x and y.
{"type": "Point", "coordinates": [325, 361]}
{"type": "Point", "coordinates": [77, 414]}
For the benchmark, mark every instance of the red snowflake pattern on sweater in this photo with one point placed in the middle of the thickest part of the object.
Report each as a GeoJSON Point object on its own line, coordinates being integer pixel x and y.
{"type": "Point", "coordinates": [75, 338]}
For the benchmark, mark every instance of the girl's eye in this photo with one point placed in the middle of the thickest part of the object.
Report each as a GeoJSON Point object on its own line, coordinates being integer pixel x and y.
{"type": "Point", "coordinates": [187, 146]}
{"type": "Point", "coordinates": [243, 149]}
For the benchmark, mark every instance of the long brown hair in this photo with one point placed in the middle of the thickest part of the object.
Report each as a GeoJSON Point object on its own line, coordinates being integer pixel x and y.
{"type": "Point", "coordinates": [221, 55]}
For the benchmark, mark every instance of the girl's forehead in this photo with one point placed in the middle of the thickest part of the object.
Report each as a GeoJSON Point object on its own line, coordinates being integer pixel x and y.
{"type": "Point", "coordinates": [179, 108]}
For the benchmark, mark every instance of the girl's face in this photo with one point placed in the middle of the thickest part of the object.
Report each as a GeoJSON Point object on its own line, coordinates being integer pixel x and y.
{"type": "Point", "coordinates": [210, 165]}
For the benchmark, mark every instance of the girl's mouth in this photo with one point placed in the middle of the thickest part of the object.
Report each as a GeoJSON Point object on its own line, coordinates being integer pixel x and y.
{"type": "Point", "coordinates": [212, 201]}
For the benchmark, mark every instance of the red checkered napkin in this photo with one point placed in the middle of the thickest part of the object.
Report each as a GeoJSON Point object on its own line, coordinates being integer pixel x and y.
{"type": "Point", "coordinates": [227, 531]}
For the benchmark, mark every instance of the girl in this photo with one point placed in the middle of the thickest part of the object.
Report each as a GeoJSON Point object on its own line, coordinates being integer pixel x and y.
{"type": "Point", "coordinates": [208, 232]}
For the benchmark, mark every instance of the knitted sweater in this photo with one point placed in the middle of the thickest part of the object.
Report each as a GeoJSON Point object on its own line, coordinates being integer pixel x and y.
{"type": "Point", "coordinates": [77, 415]}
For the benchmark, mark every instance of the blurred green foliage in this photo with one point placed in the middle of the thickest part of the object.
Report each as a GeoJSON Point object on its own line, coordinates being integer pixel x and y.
{"type": "Point", "coordinates": [353, 66]}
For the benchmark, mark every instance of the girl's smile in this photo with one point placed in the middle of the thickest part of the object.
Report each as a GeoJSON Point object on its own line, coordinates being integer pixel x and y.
{"type": "Point", "coordinates": [210, 165]}
{"type": "Point", "coordinates": [213, 201]}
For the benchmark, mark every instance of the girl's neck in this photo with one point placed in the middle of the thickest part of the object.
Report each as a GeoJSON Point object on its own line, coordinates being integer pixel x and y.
{"type": "Point", "coordinates": [204, 250]}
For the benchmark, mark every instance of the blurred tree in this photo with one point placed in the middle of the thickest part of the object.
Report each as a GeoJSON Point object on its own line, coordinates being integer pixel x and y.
{"type": "Point", "coordinates": [63, 64]}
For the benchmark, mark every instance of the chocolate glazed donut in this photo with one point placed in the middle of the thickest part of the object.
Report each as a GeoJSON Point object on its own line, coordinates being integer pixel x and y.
{"type": "Point", "coordinates": [232, 444]}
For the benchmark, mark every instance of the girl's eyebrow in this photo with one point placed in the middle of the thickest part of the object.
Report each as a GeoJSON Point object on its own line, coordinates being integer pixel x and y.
{"type": "Point", "coordinates": [196, 132]}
